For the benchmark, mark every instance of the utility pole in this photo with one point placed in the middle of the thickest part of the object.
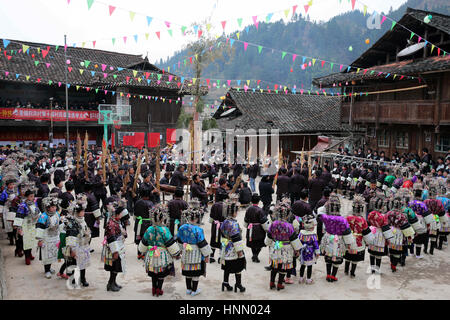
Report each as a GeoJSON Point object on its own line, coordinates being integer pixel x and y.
{"type": "Point", "coordinates": [50, 136]}
{"type": "Point", "coordinates": [67, 95]}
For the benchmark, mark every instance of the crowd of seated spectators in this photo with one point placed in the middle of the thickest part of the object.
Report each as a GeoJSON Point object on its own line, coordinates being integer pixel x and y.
{"type": "Point", "coordinates": [73, 105]}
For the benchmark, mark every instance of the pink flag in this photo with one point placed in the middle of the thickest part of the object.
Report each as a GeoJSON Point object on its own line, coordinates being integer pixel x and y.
{"type": "Point", "coordinates": [167, 24]}
{"type": "Point", "coordinates": [170, 78]}
{"type": "Point", "coordinates": [70, 69]}
{"type": "Point", "coordinates": [229, 83]}
{"type": "Point", "coordinates": [103, 67]}
{"type": "Point", "coordinates": [6, 73]}
{"type": "Point", "coordinates": [200, 32]}
{"type": "Point", "coordinates": [125, 39]}
{"type": "Point", "coordinates": [293, 9]}
{"type": "Point", "coordinates": [353, 4]}
{"type": "Point", "coordinates": [340, 67]}
{"type": "Point", "coordinates": [420, 39]}
{"type": "Point", "coordinates": [158, 34]}
{"type": "Point", "coordinates": [93, 43]}
{"type": "Point", "coordinates": [223, 24]}
{"type": "Point", "coordinates": [293, 57]}
{"type": "Point", "coordinates": [105, 75]}
{"type": "Point", "coordinates": [306, 8]}
{"type": "Point", "coordinates": [59, 84]}
{"type": "Point", "coordinates": [382, 20]}
{"type": "Point", "coordinates": [255, 22]}
{"type": "Point", "coordinates": [245, 46]}
{"type": "Point", "coordinates": [111, 10]}
{"type": "Point", "coordinates": [48, 65]}
{"type": "Point", "coordinates": [323, 62]}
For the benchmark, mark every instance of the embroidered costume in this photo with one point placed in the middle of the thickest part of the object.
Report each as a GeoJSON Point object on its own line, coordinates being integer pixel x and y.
{"type": "Point", "coordinates": [159, 247]}
{"type": "Point", "coordinates": [337, 238]}
{"type": "Point", "coordinates": [283, 243]}
{"type": "Point", "coordinates": [361, 232]}
{"type": "Point", "coordinates": [232, 257]}
{"type": "Point", "coordinates": [47, 233]}
{"type": "Point", "coordinates": [194, 248]}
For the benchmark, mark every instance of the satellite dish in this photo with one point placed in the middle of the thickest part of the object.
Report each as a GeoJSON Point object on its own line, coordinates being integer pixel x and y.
{"type": "Point", "coordinates": [228, 112]}
{"type": "Point", "coordinates": [411, 49]}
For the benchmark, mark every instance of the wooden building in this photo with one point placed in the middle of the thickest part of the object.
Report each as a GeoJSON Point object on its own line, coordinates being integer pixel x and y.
{"type": "Point", "coordinates": [95, 76]}
{"type": "Point", "coordinates": [407, 107]}
{"type": "Point", "coordinates": [300, 118]}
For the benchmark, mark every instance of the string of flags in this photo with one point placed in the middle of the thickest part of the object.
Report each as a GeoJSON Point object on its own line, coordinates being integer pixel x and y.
{"type": "Point", "coordinates": [143, 75]}
{"type": "Point", "coordinates": [197, 30]}
{"type": "Point", "coordinates": [9, 75]}
{"type": "Point", "coordinates": [209, 82]}
{"type": "Point", "coordinates": [255, 19]}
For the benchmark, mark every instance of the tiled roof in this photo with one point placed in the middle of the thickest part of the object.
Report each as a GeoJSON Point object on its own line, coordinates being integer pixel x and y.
{"type": "Point", "coordinates": [405, 68]}
{"type": "Point", "coordinates": [290, 113]}
{"type": "Point", "coordinates": [24, 64]}
{"type": "Point", "coordinates": [398, 36]}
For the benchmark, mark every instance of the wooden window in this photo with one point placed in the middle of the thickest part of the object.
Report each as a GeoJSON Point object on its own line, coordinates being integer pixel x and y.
{"type": "Point", "coordinates": [371, 132]}
{"type": "Point", "coordinates": [402, 140]}
{"type": "Point", "coordinates": [383, 138]}
{"type": "Point", "coordinates": [442, 143]}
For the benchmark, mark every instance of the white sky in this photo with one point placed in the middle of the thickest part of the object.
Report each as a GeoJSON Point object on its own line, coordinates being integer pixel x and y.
{"type": "Point", "coordinates": [48, 20]}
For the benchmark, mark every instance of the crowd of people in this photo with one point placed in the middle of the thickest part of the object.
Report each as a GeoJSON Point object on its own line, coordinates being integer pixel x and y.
{"type": "Point", "coordinates": [399, 209]}
{"type": "Point", "coordinates": [45, 104]}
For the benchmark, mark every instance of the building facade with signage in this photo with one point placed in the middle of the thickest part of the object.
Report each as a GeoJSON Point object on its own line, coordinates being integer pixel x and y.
{"type": "Point", "coordinates": [32, 92]}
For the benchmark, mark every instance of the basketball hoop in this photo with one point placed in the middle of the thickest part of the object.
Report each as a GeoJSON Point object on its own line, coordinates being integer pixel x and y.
{"type": "Point", "coordinates": [117, 124]}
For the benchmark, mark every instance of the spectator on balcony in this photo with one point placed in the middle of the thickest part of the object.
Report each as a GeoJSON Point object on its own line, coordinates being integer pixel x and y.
{"type": "Point", "coordinates": [8, 103]}
{"type": "Point", "coordinates": [28, 104]}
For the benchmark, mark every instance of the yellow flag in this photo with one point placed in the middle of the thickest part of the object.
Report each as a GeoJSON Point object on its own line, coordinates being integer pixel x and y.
{"type": "Point", "coordinates": [83, 44]}
{"type": "Point", "coordinates": [78, 87]}
{"type": "Point", "coordinates": [146, 36]}
{"type": "Point", "coordinates": [134, 73]}
{"type": "Point", "coordinates": [286, 12]}
{"type": "Point", "coordinates": [314, 61]}
{"type": "Point", "coordinates": [194, 80]}
{"type": "Point", "coordinates": [238, 35]}
{"type": "Point", "coordinates": [168, 69]}
{"type": "Point", "coordinates": [139, 79]}
{"type": "Point", "coordinates": [28, 77]}
{"type": "Point", "coordinates": [310, 3]}
{"type": "Point", "coordinates": [248, 82]}
{"type": "Point", "coordinates": [81, 71]}
{"type": "Point", "coordinates": [208, 27]}
{"type": "Point", "coordinates": [39, 50]}
{"type": "Point", "coordinates": [25, 48]}
{"type": "Point", "coordinates": [196, 57]}
{"type": "Point", "coordinates": [357, 70]}
{"type": "Point", "coordinates": [132, 14]}
{"type": "Point", "coordinates": [365, 10]}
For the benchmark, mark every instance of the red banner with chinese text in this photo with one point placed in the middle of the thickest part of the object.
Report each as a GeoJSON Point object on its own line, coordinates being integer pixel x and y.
{"type": "Point", "coordinates": [44, 114]}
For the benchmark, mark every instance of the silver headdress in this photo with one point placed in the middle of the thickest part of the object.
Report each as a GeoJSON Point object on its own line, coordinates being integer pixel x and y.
{"type": "Point", "coordinates": [282, 210]}
{"type": "Point", "coordinates": [159, 214]}
{"type": "Point", "coordinates": [51, 200]}
{"type": "Point", "coordinates": [379, 202]}
{"type": "Point", "coordinates": [333, 205]}
{"type": "Point", "coordinates": [195, 211]}
{"type": "Point", "coordinates": [359, 206]}
{"type": "Point", "coordinates": [309, 222]}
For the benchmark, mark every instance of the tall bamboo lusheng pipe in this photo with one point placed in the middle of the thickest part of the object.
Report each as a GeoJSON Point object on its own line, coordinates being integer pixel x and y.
{"type": "Point", "coordinates": [103, 160]}
{"type": "Point", "coordinates": [125, 183]}
{"type": "Point", "coordinates": [78, 152]}
{"type": "Point", "coordinates": [136, 176]}
{"type": "Point", "coordinates": [86, 140]}
{"type": "Point", "coordinates": [158, 169]}
{"type": "Point", "coordinates": [109, 160]}
{"type": "Point", "coordinates": [309, 164]}
{"type": "Point", "coordinates": [236, 184]}
{"type": "Point", "coordinates": [280, 161]}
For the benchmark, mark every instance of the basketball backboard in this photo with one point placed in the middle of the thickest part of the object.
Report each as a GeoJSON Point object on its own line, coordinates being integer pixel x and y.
{"type": "Point", "coordinates": [114, 114]}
